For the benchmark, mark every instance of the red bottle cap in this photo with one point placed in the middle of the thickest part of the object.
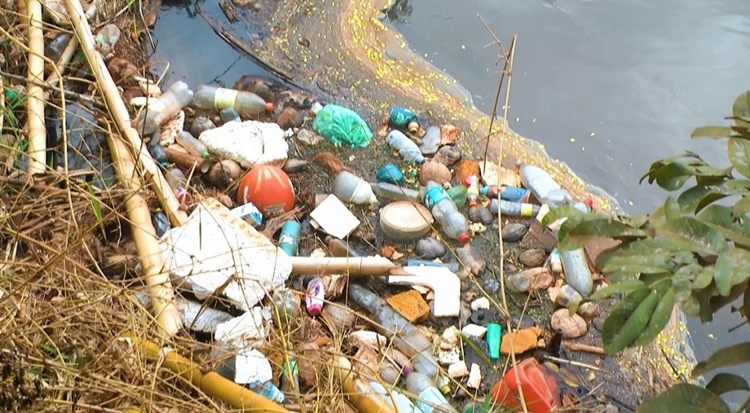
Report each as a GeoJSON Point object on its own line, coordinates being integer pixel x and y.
{"type": "Point", "coordinates": [269, 106]}
{"type": "Point", "coordinates": [463, 238]}
{"type": "Point", "coordinates": [589, 202]}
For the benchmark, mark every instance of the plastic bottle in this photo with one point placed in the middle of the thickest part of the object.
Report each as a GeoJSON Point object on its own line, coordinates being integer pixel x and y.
{"type": "Point", "coordinates": [214, 97]}
{"type": "Point", "coordinates": [459, 195]}
{"type": "Point", "coordinates": [289, 237]}
{"type": "Point", "coordinates": [157, 152]}
{"type": "Point", "coordinates": [506, 192]}
{"type": "Point", "coordinates": [340, 248]}
{"type": "Point", "coordinates": [268, 390]}
{"type": "Point", "coordinates": [390, 173]}
{"type": "Point", "coordinates": [494, 337]}
{"type": "Point", "coordinates": [452, 222]}
{"type": "Point", "coordinates": [395, 192]}
{"type": "Point", "coordinates": [429, 398]}
{"type": "Point", "coordinates": [351, 188]}
{"type": "Point", "coordinates": [191, 144]}
{"type": "Point", "coordinates": [568, 296]}
{"type": "Point", "coordinates": [178, 182]}
{"type": "Point", "coordinates": [163, 108]}
{"type": "Point", "coordinates": [577, 272]}
{"type": "Point", "coordinates": [513, 209]}
{"type": "Point", "coordinates": [161, 223]}
{"type": "Point", "coordinates": [314, 297]}
{"type": "Point", "coordinates": [359, 392]}
{"type": "Point", "coordinates": [430, 141]}
{"type": "Point", "coordinates": [229, 115]}
{"type": "Point", "coordinates": [543, 186]}
{"type": "Point", "coordinates": [406, 337]}
{"type": "Point", "coordinates": [290, 375]}
{"type": "Point", "coordinates": [555, 262]}
{"type": "Point", "coordinates": [452, 266]}
{"type": "Point", "coordinates": [54, 49]}
{"type": "Point", "coordinates": [394, 397]}
{"type": "Point", "coordinates": [287, 304]}
{"type": "Point", "coordinates": [472, 190]}
{"type": "Point", "coordinates": [405, 146]}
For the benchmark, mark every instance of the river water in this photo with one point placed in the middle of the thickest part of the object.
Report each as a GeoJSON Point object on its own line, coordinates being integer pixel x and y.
{"type": "Point", "coordinates": [608, 86]}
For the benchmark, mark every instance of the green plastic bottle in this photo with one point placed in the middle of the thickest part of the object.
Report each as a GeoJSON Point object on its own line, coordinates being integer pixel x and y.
{"type": "Point", "coordinates": [458, 195]}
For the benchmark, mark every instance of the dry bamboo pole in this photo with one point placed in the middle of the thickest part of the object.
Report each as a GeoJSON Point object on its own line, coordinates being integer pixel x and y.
{"type": "Point", "coordinates": [146, 242]}
{"type": "Point", "coordinates": [342, 265]}
{"type": "Point", "coordinates": [211, 383]}
{"type": "Point", "coordinates": [119, 112]}
{"type": "Point", "coordinates": [36, 131]}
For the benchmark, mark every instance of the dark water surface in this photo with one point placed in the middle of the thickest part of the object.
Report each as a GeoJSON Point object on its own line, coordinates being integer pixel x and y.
{"type": "Point", "coordinates": [608, 86]}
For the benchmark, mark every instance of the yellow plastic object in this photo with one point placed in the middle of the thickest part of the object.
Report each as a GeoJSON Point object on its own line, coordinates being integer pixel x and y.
{"type": "Point", "coordinates": [359, 392]}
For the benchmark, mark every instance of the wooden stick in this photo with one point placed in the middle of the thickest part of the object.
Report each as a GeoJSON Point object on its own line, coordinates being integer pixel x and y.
{"type": "Point", "coordinates": [583, 347]}
{"type": "Point", "coordinates": [36, 131]}
{"type": "Point", "coordinates": [119, 112]}
{"type": "Point", "coordinates": [214, 385]}
{"type": "Point", "coordinates": [146, 242]}
{"type": "Point", "coordinates": [342, 265]}
{"type": "Point", "coordinates": [184, 160]}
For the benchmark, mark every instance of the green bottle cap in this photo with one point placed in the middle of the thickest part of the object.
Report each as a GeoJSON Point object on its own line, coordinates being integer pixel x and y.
{"type": "Point", "coordinates": [494, 336]}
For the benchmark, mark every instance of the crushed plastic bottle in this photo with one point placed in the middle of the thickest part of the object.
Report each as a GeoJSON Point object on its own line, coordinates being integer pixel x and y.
{"type": "Point", "coordinates": [350, 188]}
{"type": "Point", "coordinates": [405, 146]}
{"type": "Point", "coordinates": [406, 337]}
{"type": "Point", "coordinates": [452, 222]}
{"type": "Point", "coordinates": [191, 144]}
{"type": "Point", "coordinates": [161, 223]}
{"type": "Point", "coordinates": [163, 108]}
{"type": "Point", "coordinates": [287, 304]}
{"type": "Point", "coordinates": [395, 192]}
{"type": "Point", "coordinates": [429, 398]}
{"type": "Point", "coordinates": [513, 209]}
{"type": "Point", "coordinates": [543, 186]}
{"type": "Point", "coordinates": [214, 97]}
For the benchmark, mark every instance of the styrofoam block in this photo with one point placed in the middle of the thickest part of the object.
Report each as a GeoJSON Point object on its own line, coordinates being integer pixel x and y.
{"type": "Point", "coordinates": [251, 366]}
{"type": "Point", "coordinates": [245, 331]}
{"type": "Point", "coordinates": [215, 252]}
{"type": "Point", "coordinates": [249, 143]}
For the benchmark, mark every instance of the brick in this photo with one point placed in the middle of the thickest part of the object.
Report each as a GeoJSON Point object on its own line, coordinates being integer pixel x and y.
{"type": "Point", "coordinates": [410, 305]}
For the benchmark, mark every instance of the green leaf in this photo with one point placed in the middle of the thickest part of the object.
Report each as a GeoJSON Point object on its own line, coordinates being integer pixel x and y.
{"type": "Point", "coordinates": [703, 278]}
{"type": "Point", "coordinates": [563, 211]}
{"type": "Point", "coordinates": [738, 151]}
{"type": "Point", "coordinates": [95, 204]}
{"type": "Point", "coordinates": [741, 110]}
{"type": "Point", "coordinates": [725, 357]}
{"type": "Point", "coordinates": [599, 227]}
{"type": "Point", "coordinates": [712, 132]}
{"type": "Point", "coordinates": [717, 214]}
{"type": "Point", "coordinates": [693, 235]}
{"type": "Point", "coordinates": [731, 268]}
{"type": "Point", "coordinates": [691, 200]}
{"type": "Point", "coordinates": [652, 263]}
{"type": "Point", "coordinates": [743, 205]}
{"type": "Point", "coordinates": [659, 318]}
{"type": "Point", "coordinates": [726, 382]}
{"type": "Point", "coordinates": [684, 398]}
{"type": "Point", "coordinates": [672, 176]}
{"type": "Point", "coordinates": [621, 287]}
{"type": "Point", "coordinates": [628, 319]}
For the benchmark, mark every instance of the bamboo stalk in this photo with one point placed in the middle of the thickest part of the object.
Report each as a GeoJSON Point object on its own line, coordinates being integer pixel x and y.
{"type": "Point", "coordinates": [184, 160]}
{"type": "Point", "coordinates": [210, 383]}
{"type": "Point", "coordinates": [146, 242]}
{"type": "Point", "coordinates": [36, 131]}
{"type": "Point", "coordinates": [119, 112]}
{"type": "Point", "coordinates": [342, 265]}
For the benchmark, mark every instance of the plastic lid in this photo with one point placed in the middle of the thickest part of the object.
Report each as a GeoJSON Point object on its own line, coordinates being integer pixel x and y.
{"type": "Point", "coordinates": [269, 106]}
{"type": "Point", "coordinates": [463, 238]}
{"type": "Point", "coordinates": [405, 221]}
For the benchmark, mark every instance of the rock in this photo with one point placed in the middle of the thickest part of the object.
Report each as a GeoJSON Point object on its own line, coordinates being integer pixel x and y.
{"type": "Point", "coordinates": [200, 125]}
{"type": "Point", "coordinates": [289, 118]}
{"type": "Point", "coordinates": [521, 322]}
{"type": "Point", "coordinates": [308, 137]}
{"type": "Point", "coordinates": [224, 173]}
{"type": "Point", "coordinates": [530, 280]}
{"type": "Point", "coordinates": [473, 330]}
{"type": "Point", "coordinates": [410, 305]}
{"type": "Point", "coordinates": [480, 213]}
{"type": "Point", "coordinates": [429, 248]}
{"type": "Point", "coordinates": [294, 165]}
{"type": "Point", "coordinates": [484, 317]}
{"type": "Point", "coordinates": [523, 340]}
{"type": "Point", "coordinates": [514, 232]}
{"type": "Point", "coordinates": [571, 326]}
{"type": "Point", "coordinates": [430, 141]}
{"type": "Point", "coordinates": [475, 377]}
{"type": "Point", "coordinates": [447, 155]}
{"type": "Point", "coordinates": [532, 258]}
{"type": "Point", "coordinates": [434, 171]}
{"type": "Point", "coordinates": [449, 134]}
{"type": "Point", "coordinates": [458, 370]}
{"type": "Point", "coordinates": [480, 304]}
{"type": "Point", "coordinates": [588, 311]}
{"type": "Point", "coordinates": [449, 338]}
{"type": "Point", "coordinates": [465, 169]}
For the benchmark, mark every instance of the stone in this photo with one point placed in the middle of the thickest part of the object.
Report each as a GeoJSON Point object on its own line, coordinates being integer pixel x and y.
{"type": "Point", "coordinates": [458, 370]}
{"type": "Point", "coordinates": [292, 166]}
{"type": "Point", "coordinates": [473, 330]}
{"type": "Point", "coordinates": [514, 232]}
{"type": "Point", "coordinates": [447, 155]}
{"type": "Point", "coordinates": [523, 340]}
{"type": "Point", "coordinates": [481, 213]}
{"type": "Point", "coordinates": [588, 311]}
{"type": "Point", "coordinates": [249, 143]}
{"type": "Point", "coordinates": [532, 258]}
{"type": "Point", "coordinates": [449, 338]}
{"type": "Point", "coordinates": [434, 171]}
{"type": "Point", "coordinates": [530, 280]}
{"type": "Point", "coordinates": [465, 169]}
{"type": "Point", "coordinates": [571, 326]}
{"type": "Point", "coordinates": [475, 377]}
{"type": "Point", "coordinates": [410, 305]}
{"type": "Point", "coordinates": [289, 118]}
{"type": "Point", "coordinates": [482, 303]}
{"type": "Point", "coordinates": [429, 248]}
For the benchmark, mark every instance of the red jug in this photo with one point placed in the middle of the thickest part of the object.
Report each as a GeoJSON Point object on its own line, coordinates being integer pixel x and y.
{"type": "Point", "coordinates": [537, 383]}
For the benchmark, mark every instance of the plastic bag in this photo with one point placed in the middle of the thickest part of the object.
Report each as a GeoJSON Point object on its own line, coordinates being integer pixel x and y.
{"type": "Point", "coordinates": [341, 125]}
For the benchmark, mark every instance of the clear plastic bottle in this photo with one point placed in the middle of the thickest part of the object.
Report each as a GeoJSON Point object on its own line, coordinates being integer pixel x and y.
{"type": "Point", "coordinates": [577, 272]}
{"type": "Point", "coordinates": [287, 304]}
{"type": "Point", "coordinates": [395, 192]}
{"type": "Point", "coordinates": [229, 115]}
{"type": "Point", "coordinates": [340, 248]}
{"type": "Point", "coordinates": [405, 146]}
{"type": "Point", "coordinates": [191, 144]}
{"type": "Point", "coordinates": [214, 97]}
{"type": "Point", "coordinates": [395, 398]}
{"type": "Point", "coordinates": [406, 337]}
{"type": "Point", "coordinates": [178, 182]}
{"type": "Point", "coordinates": [157, 152]}
{"type": "Point", "coordinates": [472, 190]}
{"type": "Point", "coordinates": [429, 398]}
{"type": "Point", "coordinates": [268, 390]}
{"type": "Point", "coordinates": [351, 188]}
{"type": "Point", "coordinates": [543, 186]}
{"type": "Point", "coordinates": [163, 108]}
{"type": "Point", "coordinates": [452, 222]}
{"type": "Point", "coordinates": [513, 209]}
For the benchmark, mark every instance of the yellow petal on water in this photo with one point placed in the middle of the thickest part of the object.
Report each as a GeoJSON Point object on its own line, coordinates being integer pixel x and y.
{"type": "Point", "coordinates": [463, 47]}
{"type": "Point", "coordinates": [572, 140]}
{"type": "Point", "coordinates": [593, 134]}
{"type": "Point", "coordinates": [518, 119]}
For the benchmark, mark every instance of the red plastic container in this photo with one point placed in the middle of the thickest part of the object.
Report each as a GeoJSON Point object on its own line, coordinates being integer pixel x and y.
{"type": "Point", "coordinates": [537, 383]}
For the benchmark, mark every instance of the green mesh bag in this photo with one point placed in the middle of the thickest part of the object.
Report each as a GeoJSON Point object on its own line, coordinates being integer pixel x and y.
{"type": "Point", "coordinates": [341, 125]}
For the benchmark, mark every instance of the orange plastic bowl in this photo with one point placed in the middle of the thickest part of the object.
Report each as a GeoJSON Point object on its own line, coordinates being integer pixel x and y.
{"type": "Point", "coordinates": [268, 188]}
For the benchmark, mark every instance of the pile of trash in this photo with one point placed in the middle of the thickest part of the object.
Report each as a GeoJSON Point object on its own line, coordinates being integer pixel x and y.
{"type": "Point", "coordinates": [313, 253]}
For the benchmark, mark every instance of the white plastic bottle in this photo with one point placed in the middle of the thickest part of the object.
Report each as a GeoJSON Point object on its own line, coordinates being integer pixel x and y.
{"type": "Point", "coordinates": [163, 108]}
{"type": "Point", "coordinates": [543, 186]}
{"type": "Point", "coordinates": [394, 192]}
{"type": "Point", "coordinates": [452, 222]}
{"type": "Point", "coordinates": [405, 146]}
{"type": "Point", "coordinates": [350, 188]}
{"type": "Point", "coordinates": [214, 97]}
{"type": "Point", "coordinates": [429, 398]}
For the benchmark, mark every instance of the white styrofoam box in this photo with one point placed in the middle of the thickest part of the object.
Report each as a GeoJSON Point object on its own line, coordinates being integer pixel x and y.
{"type": "Point", "coordinates": [251, 366]}
{"type": "Point", "coordinates": [473, 330]}
{"type": "Point", "coordinates": [249, 143]}
{"type": "Point", "coordinates": [245, 331]}
{"type": "Point", "coordinates": [216, 252]}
